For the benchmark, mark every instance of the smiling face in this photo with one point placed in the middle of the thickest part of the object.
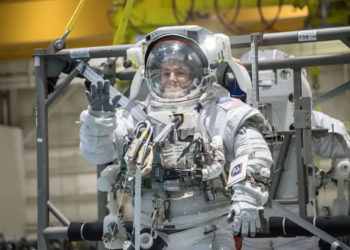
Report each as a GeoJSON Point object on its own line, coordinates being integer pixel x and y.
{"type": "Point", "coordinates": [175, 79]}
{"type": "Point", "coordinates": [174, 71]}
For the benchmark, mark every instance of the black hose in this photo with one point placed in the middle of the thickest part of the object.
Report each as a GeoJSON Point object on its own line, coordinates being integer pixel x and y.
{"type": "Point", "coordinates": [277, 227]}
{"type": "Point", "coordinates": [91, 231]}
{"type": "Point", "coordinates": [282, 227]}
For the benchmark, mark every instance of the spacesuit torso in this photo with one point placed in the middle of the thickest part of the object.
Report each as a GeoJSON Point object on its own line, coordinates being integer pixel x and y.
{"type": "Point", "coordinates": [172, 161]}
{"type": "Point", "coordinates": [183, 201]}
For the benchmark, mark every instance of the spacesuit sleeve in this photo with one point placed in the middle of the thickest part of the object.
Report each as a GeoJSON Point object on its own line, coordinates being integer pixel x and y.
{"type": "Point", "coordinates": [101, 137]}
{"type": "Point", "coordinates": [336, 144]}
{"type": "Point", "coordinates": [249, 141]}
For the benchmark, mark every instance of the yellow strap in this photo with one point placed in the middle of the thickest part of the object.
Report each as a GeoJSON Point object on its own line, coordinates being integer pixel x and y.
{"type": "Point", "coordinates": [123, 22]}
{"type": "Point", "coordinates": [74, 17]}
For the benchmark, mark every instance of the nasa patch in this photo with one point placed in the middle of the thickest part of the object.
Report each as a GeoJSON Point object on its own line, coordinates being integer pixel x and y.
{"type": "Point", "coordinates": [228, 103]}
{"type": "Point", "coordinates": [238, 170]}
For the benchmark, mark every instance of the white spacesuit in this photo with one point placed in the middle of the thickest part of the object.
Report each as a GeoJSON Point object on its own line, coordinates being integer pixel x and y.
{"type": "Point", "coordinates": [275, 88]}
{"type": "Point", "coordinates": [185, 200]}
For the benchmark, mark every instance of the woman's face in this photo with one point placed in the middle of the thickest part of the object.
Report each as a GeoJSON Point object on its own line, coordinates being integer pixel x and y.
{"type": "Point", "coordinates": [175, 79]}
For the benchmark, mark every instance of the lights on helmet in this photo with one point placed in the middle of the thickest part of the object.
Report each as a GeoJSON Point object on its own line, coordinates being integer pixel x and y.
{"type": "Point", "coordinates": [210, 43]}
{"type": "Point", "coordinates": [211, 50]}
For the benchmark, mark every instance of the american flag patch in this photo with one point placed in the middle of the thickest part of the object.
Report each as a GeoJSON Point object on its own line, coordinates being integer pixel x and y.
{"type": "Point", "coordinates": [229, 103]}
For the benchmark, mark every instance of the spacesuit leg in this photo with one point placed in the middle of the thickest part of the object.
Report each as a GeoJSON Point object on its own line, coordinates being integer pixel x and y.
{"type": "Point", "coordinates": [196, 239]}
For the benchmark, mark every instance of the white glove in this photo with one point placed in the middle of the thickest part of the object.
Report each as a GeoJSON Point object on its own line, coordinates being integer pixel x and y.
{"type": "Point", "coordinates": [244, 212]}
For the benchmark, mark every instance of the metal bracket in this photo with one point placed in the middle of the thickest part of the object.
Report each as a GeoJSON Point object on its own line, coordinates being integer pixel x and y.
{"type": "Point", "coordinates": [58, 44]}
{"type": "Point", "coordinates": [301, 119]}
{"type": "Point", "coordinates": [256, 39]}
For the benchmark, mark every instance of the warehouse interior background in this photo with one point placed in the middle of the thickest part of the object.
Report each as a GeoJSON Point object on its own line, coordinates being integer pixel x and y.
{"type": "Point", "coordinates": [29, 24]}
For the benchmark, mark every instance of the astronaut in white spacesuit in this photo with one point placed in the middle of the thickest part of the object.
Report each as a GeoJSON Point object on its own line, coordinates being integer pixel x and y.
{"type": "Point", "coordinates": [275, 87]}
{"type": "Point", "coordinates": [184, 198]}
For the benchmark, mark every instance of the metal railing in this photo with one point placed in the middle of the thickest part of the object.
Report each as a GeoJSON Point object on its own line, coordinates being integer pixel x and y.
{"type": "Point", "coordinates": [48, 63]}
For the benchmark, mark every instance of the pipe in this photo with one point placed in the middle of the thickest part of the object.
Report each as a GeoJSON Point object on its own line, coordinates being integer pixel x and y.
{"type": "Point", "coordinates": [282, 227]}
{"type": "Point", "coordinates": [57, 214]}
{"type": "Point", "coordinates": [91, 231]}
{"type": "Point", "coordinates": [276, 227]}
{"type": "Point", "coordinates": [51, 233]}
{"type": "Point", "coordinates": [278, 38]}
{"type": "Point", "coordinates": [303, 61]}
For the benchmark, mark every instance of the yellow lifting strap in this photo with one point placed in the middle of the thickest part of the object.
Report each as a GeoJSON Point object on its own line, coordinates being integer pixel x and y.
{"type": "Point", "coordinates": [75, 15]}
{"type": "Point", "coordinates": [123, 22]}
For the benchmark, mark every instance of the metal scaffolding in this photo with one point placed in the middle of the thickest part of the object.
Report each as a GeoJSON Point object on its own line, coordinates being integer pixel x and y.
{"type": "Point", "coordinates": [49, 63]}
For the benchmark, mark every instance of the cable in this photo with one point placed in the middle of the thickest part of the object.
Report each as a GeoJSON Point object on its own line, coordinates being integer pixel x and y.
{"type": "Point", "coordinates": [231, 27]}
{"type": "Point", "coordinates": [109, 14]}
{"type": "Point", "coordinates": [123, 22]}
{"type": "Point", "coordinates": [146, 25]}
{"type": "Point", "coordinates": [75, 15]}
{"type": "Point", "coordinates": [153, 25]}
{"type": "Point", "coordinates": [269, 25]}
{"type": "Point", "coordinates": [310, 18]}
{"type": "Point", "coordinates": [139, 31]}
{"type": "Point", "coordinates": [189, 14]}
{"type": "Point", "coordinates": [238, 8]}
{"type": "Point", "coordinates": [59, 43]}
{"type": "Point", "coordinates": [112, 11]}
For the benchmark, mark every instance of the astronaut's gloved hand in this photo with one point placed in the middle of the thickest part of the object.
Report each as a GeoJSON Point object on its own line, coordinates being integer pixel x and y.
{"type": "Point", "coordinates": [99, 101]}
{"type": "Point", "coordinates": [244, 213]}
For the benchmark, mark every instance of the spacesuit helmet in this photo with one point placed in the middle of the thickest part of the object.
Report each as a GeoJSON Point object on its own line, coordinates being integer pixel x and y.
{"type": "Point", "coordinates": [173, 70]}
{"type": "Point", "coordinates": [176, 64]}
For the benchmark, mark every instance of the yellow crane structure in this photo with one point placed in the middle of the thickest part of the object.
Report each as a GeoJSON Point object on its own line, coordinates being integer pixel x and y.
{"type": "Point", "coordinates": [26, 25]}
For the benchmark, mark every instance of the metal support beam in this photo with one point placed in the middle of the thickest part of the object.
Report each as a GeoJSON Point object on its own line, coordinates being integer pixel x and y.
{"type": "Point", "coordinates": [42, 149]}
{"type": "Point", "coordinates": [92, 52]}
{"type": "Point", "coordinates": [331, 94]}
{"type": "Point", "coordinates": [101, 204]}
{"type": "Point", "coordinates": [255, 40]}
{"type": "Point", "coordinates": [301, 169]}
{"type": "Point", "coordinates": [301, 36]}
{"type": "Point", "coordinates": [278, 170]}
{"type": "Point", "coordinates": [102, 196]}
{"type": "Point", "coordinates": [303, 61]}
{"type": "Point", "coordinates": [307, 142]}
{"type": "Point", "coordinates": [55, 233]}
{"type": "Point", "coordinates": [66, 81]}
{"type": "Point", "coordinates": [58, 214]}
{"type": "Point", "coordinates": [29, 136]}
